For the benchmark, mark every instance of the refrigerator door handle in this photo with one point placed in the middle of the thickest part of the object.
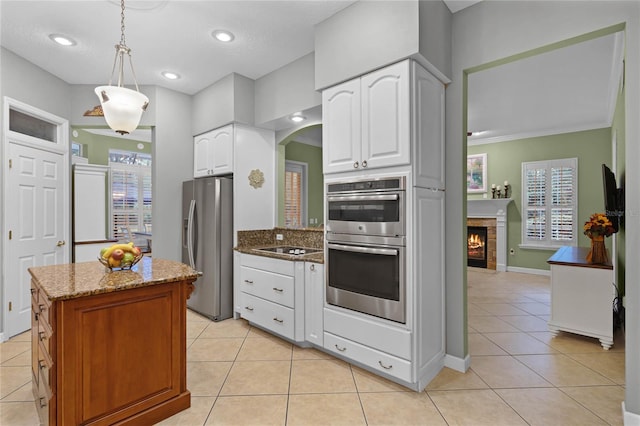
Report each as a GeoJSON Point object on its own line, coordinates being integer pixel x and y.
{"type": "Point", "coordinates": [192, 208]}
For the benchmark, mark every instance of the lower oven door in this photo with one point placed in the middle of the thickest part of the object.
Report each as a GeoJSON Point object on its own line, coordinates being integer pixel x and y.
{"type": "Point", "coordinates": [367, 278]}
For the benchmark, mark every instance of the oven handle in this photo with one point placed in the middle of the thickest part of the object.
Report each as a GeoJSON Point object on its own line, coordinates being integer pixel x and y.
{"type": "Point", "coordinates": [384, 197]}
{"type": "Point", "coordinates": [368, 250]}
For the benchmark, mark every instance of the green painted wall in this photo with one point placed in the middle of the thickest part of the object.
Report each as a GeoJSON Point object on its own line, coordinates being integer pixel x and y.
{"type": "Point", "coordinates": [504, 162]}
{"type": "Point", "coordinates": [96, 147]}
{"type": "Point", "coordinates": [312, 155]}
{"type": "Point", "coordinates": [618, 127]}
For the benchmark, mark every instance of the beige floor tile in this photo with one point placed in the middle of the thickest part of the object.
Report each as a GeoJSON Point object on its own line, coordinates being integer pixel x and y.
{"type": "Point", "coordinates": [257, 378]}
{"type": "Point", "coordinates": [480, 345]}
{"type": "Point", "coordinates": [262, 349]}
{"type": "Point", "coordinates": [490, 324]}
{"type": "Point", "coordinates": [505, 372]}
{"type": "Point", "coordinates": [195, 328]}
{"type": "Point", "coordinates": [24, 359]}
{"type": "Point", "coordinates": [325, 409]}
{"type": "Point", "coordinates": [534, 308]}
{"type": "Point", "coordinates": [519, 343]}
{"type": "Point", "coordinates": [560, 370]}
{"type": "Point", "coordinates": [526, 322]}
{"type": "Point", "coordinates": [13, 378]}
{"type": "Point", "coordinates": [369, 382]}
{"type": "Point", "coordinates": [321, 376]}
{"type": "Point", "coordinates": [609, 364]}
{"type": "Point", "coordinates": [501, 309]}
{"type": "Point", "coordinates": [540, 297]}
{"type": "Point", "coordinates": [227, 328]}
{"type": "Point", "coordinates": [604, 401]}
{"type": "Point", "coordinates": [194, 415]}
{"type": "Point", "coordinates": [256, 332]}
{"type": "Point", "coordinates": [400, 408]}
{"type": "Point", "coordinates": [18, 413]}
{"type": "Point", "coordinates": [214, 349]}
{"type": "Point", "coordinates": [249, 410]}
{"type": "Point", "coordinates": [205, 378]}
{"type": "Point", "coordinates": [474, 408]}
{"type": "Point", "coordinates": [193, 316]}
{"type": "Point", "coordinates": [569, 343]}
{"type": "Point", "coordinates": [22, 337]}
{"type": "Point", "coordinates": [309, 353]}
{"type": "Point", "coordinates": [476, 310]}
{"type": "Point", "coordinates": [449, 379]}
{"type": "Point", "coordinates": [548, 406]}
{"type": "Point", "coordinates": [12, 349]}
{"type": "Point", "coordinates": [22, 394]}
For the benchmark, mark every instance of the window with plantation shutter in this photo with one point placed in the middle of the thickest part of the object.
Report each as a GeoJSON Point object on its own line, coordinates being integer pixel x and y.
{"type": "Point", "coordinates": [130, 193]}
{"type": "Point", "coordinates": [295, 189]}
{"type": "Point", "coordinates": [550, 203]}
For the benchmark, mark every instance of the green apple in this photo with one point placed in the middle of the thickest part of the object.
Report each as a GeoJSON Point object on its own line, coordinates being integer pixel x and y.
{"type": "Point", "coordinates": [128, 258]}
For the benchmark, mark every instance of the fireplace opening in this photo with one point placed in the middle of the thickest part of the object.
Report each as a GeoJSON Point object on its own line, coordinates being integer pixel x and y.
{"type": "Point", "coordinates": [477, 246]}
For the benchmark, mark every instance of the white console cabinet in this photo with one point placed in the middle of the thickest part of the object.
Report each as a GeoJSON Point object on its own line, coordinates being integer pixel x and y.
{"type": "Point", "coordinates": [581, 295]}
{"type": "Point", "coordinates": [213, 152]}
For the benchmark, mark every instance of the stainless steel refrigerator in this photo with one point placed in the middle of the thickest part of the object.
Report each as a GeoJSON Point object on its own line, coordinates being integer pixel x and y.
{"type": "Point", "coordinates": [207, 243]}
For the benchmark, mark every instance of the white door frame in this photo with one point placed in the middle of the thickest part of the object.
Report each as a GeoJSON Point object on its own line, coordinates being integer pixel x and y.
{"type": "Point", "coordinates": [59, 146]}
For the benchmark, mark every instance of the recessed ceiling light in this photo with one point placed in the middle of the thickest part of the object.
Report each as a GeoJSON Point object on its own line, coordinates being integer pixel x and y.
{"type": "Point", "coordinates": [223, 36]}
{"type": "Point", "coordinates": [62, 40]}
{"type": "Point", "coordinates": [297, 118]}
{"type": "Point", "coordinates": [170, 75]}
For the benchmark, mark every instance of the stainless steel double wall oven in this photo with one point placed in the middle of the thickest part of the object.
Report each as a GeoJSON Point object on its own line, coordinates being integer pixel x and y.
{"type": "Point", "coordinates": [366, 226]}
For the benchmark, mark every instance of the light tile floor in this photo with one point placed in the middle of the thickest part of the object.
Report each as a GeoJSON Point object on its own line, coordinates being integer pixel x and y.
{"type": "Point", "coordinates": [519, 374]}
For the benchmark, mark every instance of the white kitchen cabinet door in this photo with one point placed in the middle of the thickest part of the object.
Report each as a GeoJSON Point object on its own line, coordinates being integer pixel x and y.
{"type": "Point", "coordinates": [201, 155]}
{"type": "Point", "coordinates": [222, 151]}
{"type": "Point", "coordinates": [341, 127]}
{"type": "Point", "coordinates": [314, 303]}
{"type": "Point", "coordinates": [213, 152]}
{"type": "Point", "coordinates": [386, 119]}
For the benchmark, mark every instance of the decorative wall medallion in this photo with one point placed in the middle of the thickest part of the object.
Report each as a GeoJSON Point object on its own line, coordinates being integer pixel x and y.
{"type": "Point", "coordinates": [256, 178]}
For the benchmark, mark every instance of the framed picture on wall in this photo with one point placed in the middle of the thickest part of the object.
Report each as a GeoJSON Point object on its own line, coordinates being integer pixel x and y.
{"type": "Point", "coordinates": [477, 173]}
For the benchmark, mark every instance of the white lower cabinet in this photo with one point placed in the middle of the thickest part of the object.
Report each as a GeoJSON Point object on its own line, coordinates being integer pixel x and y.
{"type": "Point", "coordinates": [269, 315]}
{"type": "Point", "coordinates": [377, 360]}
{"type": "Point", "coordinates": [314, 303]}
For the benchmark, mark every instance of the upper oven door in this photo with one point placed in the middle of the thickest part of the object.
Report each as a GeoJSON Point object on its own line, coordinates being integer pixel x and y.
{"type": "Point", "coordinates": [372, 213]}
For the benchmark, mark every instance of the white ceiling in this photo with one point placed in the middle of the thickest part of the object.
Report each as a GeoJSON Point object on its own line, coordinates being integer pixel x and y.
{"type": "Point", "coordinates": [569, 89]}
{"type": "Point", "coordinates": [565, 89]}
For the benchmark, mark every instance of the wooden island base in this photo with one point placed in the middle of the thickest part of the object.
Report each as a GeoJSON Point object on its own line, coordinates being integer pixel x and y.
{"type": "Point", "coordinates": [115, 354]}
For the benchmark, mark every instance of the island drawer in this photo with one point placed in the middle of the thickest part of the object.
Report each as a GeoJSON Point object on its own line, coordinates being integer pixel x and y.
{"type": "Point", "coordinates": [379, 361]}
{"type": "Point", "coordinates": [272, 316]}
{"type": "Point", "coordinates": [267, 285]}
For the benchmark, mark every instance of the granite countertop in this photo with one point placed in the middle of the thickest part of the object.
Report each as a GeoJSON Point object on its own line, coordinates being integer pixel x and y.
{"type": "Point", "coordinates": [73, 280]}
{"type": "Point", "coordinates": [311, 257]}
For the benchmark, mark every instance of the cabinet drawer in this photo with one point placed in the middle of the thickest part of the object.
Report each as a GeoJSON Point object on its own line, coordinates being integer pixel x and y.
{"type": "Point", "coordinates": [277, 266]}
{"type": "Point", "coordinates": [368, 332]}
{"type": "Point", "coordinates": [43, 398]}
{"type": "Point", "coordinates": [377, 360]}
{"type": "Point", "coordinates": [269, 315]}
{"type": "Point", "coordinates": [44, 333]}
{"type": "Point", "coordinates": [267, 285]}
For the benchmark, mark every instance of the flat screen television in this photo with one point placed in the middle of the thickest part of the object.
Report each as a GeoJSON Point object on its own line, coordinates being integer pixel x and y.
{"type": "Point", "coordinates": [613, 204]}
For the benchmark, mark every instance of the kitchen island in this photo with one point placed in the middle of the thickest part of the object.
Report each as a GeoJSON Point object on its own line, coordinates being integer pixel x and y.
{"type": "Point", "coordinates": [110, 347]}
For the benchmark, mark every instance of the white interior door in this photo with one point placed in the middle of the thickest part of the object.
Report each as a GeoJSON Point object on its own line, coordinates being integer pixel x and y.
{"type": "Point", "coordinates": [36, 214]}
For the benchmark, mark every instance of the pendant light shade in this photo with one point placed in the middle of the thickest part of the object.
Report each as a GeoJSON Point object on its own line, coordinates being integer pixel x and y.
{"type": "Point", "coordinates": [122, 107]}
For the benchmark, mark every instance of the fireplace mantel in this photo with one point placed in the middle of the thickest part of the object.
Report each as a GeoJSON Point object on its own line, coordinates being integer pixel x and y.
{"type": "Point", "coordinates": [495, 209]}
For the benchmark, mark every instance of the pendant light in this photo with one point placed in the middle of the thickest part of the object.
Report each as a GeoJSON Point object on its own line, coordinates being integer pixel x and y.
{"type": "Point", "coordinates": [122, 107]}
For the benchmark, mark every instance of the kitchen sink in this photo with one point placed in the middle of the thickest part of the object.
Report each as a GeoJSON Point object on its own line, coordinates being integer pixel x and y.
{"type": "Point", "coordinates": [290, 250]}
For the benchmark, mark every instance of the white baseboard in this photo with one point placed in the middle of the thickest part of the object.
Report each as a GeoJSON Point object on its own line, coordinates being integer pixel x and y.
{"type": "Point", "coordinates": [630, 419]}
{"type": "Point", "coordinates": [458, 364]}
{"type": "Point", "coordinates": [2, 339]}
{"type": "Point", "coordinates": [528, 270]}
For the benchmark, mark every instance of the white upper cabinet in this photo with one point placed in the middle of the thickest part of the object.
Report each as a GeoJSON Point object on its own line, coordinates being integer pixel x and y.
{"type": "Point", "coordinates": [213, 152]}
{"type": "Point", "coordinates": [366, 121]}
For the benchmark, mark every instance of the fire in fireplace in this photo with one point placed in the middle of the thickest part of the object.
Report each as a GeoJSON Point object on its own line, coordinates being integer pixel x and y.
{"type": "Point", "coordinates": [477, 246]}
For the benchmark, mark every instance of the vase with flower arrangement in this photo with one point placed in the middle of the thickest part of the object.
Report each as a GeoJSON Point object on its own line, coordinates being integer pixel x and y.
{"type": "Point", "coordinates": [597, 228]}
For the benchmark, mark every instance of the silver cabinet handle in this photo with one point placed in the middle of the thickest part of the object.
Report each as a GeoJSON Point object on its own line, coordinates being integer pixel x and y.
{"type": "Point", "coordinates": [340, 349]}
{"type": "Point", "coordinates": [312, 267]}
{"type": "Point", "coordinates": [42, 335]}
{"type": "Point", "coordinates": [249, 308]}
{"type": "Point", "coordinates": [364, 163]}
{"type": "Point", "coordinates": [42, 364]}
{"type": "Point", "coordinates": [248, 281]}
{"type": "Point", "coordinates": [279, 290]}
{"type": "Point", "coordinates": [384, 366]}
{"type": "Point", "coordinates": [356, 165]}
{"type": "Point", "coordinates": [61, 243]}
{"type": "Point", "coordinates": [278, 320]}
{"type": "Point", "coordinates": [43, 401]}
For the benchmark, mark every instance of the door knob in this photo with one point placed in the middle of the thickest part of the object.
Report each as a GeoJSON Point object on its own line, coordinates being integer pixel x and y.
{"type": "Point", "coordinates": [60, 243]}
